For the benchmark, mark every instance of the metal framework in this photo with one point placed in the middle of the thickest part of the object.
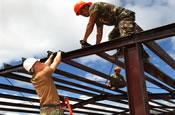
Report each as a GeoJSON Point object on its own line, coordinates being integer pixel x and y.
{"type": "Point", "coordinates": [136, 101]}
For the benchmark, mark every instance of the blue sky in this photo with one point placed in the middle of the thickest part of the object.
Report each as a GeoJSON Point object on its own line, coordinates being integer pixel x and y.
{"type": "Point", "coordinates": [30, 28]}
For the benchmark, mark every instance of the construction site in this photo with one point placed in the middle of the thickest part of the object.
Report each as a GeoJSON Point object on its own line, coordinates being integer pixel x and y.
{"type": "Point", "coordinates": [137, 100]}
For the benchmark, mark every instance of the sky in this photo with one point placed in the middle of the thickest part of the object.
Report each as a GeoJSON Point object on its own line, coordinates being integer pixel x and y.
{"type": "Point", "coordinates": [29, 28]}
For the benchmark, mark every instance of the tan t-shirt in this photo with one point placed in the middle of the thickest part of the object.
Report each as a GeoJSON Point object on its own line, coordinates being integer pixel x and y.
{"type": "Point", "coordinates": [45, 87]}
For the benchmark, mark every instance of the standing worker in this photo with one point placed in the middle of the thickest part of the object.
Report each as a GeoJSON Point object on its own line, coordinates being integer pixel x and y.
{"type": "Point", "coordinates": [44, 85]}
{"type": "Point", "coordinates": [101, 13]}
{"type": "Point", "coordinates": [120, 83]}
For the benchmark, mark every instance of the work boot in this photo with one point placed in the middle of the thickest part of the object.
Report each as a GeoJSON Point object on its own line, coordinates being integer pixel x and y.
{"type": "Point", "coordinates": [120, 53]}
{"type": "Point", "coordinates": [145, 55]}
{"type": "Point", "coordinates": [113, 88]}
{"type": "Point", "coordinates": [84, 44]}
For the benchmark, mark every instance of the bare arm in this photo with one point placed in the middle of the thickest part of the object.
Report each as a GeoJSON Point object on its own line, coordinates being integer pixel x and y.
{"type": "Point", "coordinates": [123, 81]}
{"type": "Point", "coordinates": [99, 34]}
{"type": "Point", "coordinates": [108, 82]}
{"type": "Point", "coordinates": [90, 26]}
{"type": "Point", "coordinates": [56, 61]}
{"type": "Point", "coordinates": [49, 60]}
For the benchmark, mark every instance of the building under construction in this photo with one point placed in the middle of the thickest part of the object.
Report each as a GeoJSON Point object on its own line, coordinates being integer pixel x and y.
{"type": "Point", "coordinates": [137, 100]}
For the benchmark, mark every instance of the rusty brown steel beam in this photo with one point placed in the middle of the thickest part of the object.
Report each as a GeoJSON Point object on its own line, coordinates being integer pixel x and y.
{"type": "Point", "coordinates": [157, 33]}
{"type": "Point", "coordinates": [110, 106]}
{"type": "Point", "coordinates": [32, 111]}
{"type": "Point", "coordinates": [20, 105]}
{"type": "Point", "coordinates": [85, 112]}
{"type": "Point", "coordinates": [88, 101]}
{"type": "Point", "coordinates": [61, 97]}
{"type": "Point", "coordinates": [96, 109]}
{"type": "Point", "coordinates": [157, 73]}
{"type": "Point", "coordinates": [14, 97]}
{"type": "Point", "coordinates": [11, 69]}
{"type": "Point", "coordinates": [119, 97]}
{"type": "Point", "coordinates": [137, 94]}
{"type": "Point", "coordinates": [78, 85]}
{"type": "Point", "coordinates": [169, 113]}
{"type": "Point", "coordinates": [18, 110]}
{"type": "Point", "coordinates": [154, 96]}
{"type": "Point", "coordinates": [72, 76]}
{"type": "Point", "coordinates": [7, 96]}
{"type": "Point", "coordinates": [25, 79]}
{"type": "Point", "coordinates": [33, 92]}
{"type": "Point", "coordinates": [163, 107]}
{"type": "Point", "coordinates": [153, 34]}
{"type": "Point", "coordinates": [153, 46]}
{"type": "Point", "coordinates": [121, 64]}
{"type": "Point", "coordinates": [28, 80]}
{"type": "Point", "coordinates": [70, 98]}
{"type": "Point", "coordinates": [57, 80]}
{"type": "Point", "coordinates": [90, 70]}
{"type": "Point", "coordinates": [159, 84]}
{"type": "Point", "coordinates": [38, 107]}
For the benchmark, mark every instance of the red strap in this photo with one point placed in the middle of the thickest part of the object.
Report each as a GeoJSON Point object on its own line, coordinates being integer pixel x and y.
{"type": "Point", "coordinates": [68, 105]}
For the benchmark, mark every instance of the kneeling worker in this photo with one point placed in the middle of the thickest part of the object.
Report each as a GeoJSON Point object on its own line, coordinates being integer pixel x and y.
{"type": "Point", "coordinates": [44, 85]}
{"type": "Point", "coordinates": [120, 83]}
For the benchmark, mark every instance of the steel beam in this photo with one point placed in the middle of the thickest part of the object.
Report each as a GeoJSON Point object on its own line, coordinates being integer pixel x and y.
{"type": "Point", "coordinates": [25, 79]}
{"type": "Point", "coordinates": [18, 110]}
{"type": "Point", "coordinates": [154, 34]}
{"type": "Point", "coordinates": [153, 46]}
{"type": "Point", "coordinates": [72, 76]}
{"type": "Point", "coordinates": [89, 101]}
{"type": "Point", "coordinates": [137, 95]}
{"type": "Point", "coordinates": [90, 70]}
{"type": "Point", "coordinates": [157, 73]}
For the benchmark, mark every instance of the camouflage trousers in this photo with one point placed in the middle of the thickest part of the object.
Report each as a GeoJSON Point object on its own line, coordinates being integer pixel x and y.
{"type": "Point", "coordinates": [117, 84]}
{"type": "Point", "coordinates": [125, 25]}
{"type": "Point", "coordinates": [51, 111]}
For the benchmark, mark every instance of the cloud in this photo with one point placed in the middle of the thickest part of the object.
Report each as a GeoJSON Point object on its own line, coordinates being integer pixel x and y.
{"type": "Point", "coordinates": [95, 78]}
{"type": "Point", "coordinates": [151, 14]}
{"type": "Point", "coordinates": [91, 58]}
{"type": "Point", "coordinates": [30, 28]}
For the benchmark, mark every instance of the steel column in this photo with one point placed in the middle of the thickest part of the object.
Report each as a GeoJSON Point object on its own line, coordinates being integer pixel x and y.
{"type": "Point", "coordinates": [138, 99]}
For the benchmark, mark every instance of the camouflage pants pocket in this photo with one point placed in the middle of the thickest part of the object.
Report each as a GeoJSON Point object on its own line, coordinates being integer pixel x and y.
{"type": "Point", "coordinates": [127, 24]}
{"type": "Point", "coordinates": [126, 27]}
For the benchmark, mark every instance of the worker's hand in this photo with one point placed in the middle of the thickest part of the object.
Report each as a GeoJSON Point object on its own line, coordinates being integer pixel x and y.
{"type": "Point", "coordinates": [59, 53]}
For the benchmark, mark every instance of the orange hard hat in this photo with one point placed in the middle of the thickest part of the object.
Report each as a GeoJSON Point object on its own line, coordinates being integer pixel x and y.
{"type": "Point", "coordinates": [117, 68]}
{"type": "Point", "coordinates": [79, 5]}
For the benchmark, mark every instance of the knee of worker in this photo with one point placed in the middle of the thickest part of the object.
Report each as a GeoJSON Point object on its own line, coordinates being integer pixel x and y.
{"type": "Point", "coordinates": [112, 36]}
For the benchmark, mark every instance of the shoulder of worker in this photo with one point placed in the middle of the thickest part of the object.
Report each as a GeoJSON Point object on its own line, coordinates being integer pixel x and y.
{"type": "Point", "coordinates": [102, 6]}
{"type": "Point", "coordinates": [112, 75]}
{"type": "Point", "coordinates": [46, 70]}
{"type": "Point", "coordinates": [121, 76]}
